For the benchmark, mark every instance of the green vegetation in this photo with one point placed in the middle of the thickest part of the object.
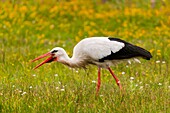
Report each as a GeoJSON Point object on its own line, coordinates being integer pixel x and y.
{"type": "Point", "coordinates": [31, 28]}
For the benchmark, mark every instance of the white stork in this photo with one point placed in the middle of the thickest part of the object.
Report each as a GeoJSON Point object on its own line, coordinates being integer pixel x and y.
{"type": "Point", "coordinates": [100, 51]}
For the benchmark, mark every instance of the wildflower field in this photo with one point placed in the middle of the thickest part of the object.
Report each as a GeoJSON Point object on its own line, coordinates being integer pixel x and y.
{"type": "Point", "coordinates": [33, 27]}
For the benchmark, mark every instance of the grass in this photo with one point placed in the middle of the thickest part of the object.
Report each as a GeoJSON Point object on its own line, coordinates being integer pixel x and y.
{"type": "Point", "coordinates": [31, 28]}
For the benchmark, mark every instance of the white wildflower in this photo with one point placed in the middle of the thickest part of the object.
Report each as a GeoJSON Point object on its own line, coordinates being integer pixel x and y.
{"type": "Point", "coordinates": [129, 61]}
{"type": "Point", "coordinates": [93, 81]}
{"type": "Point", "coordinates": [137, 60]}
{"type": "Point", "coordinates": [123, 73]}
{"type": "Point", "coordinates": [160, 84]}
{"type": "Point", "coordinates": [141, 87]}
{"type": "Point", "coordinates": [62, 89]}
{"type": "Point", "coordinates": [158, 61]}
{"type": "Point", "coordinates": [132, 78]}
{"type": "Point", "coordinates": [34, 75]}
{"type": "Point", "coordinates": [146, 84]}
{"type": "Point", "coordinates": [23, 93]}
{"type": "Point", "coordinates": [101, 95]}
{"type": "Point", "coordinates": [163, 62]}
{"type": "Point", "coordinates": [56, 75]}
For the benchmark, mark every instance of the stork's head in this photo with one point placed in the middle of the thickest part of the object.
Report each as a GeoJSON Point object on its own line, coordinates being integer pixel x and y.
{"type": "Point", "coordinates": [54, 54]}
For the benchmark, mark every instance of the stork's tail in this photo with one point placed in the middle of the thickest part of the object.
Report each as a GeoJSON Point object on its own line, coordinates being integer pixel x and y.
{"type": "Point", "coordinates": [144, 53]}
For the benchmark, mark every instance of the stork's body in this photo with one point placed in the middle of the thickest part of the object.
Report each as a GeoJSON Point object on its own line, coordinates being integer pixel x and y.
{"type": "Point", "coordinates": [100, 51]}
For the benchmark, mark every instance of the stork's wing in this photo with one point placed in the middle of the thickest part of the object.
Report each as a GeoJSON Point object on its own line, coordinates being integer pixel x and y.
{"type": "Point", "coordinates": [99, 48]}
{"type": "Point", "coordinates": [112, 49]}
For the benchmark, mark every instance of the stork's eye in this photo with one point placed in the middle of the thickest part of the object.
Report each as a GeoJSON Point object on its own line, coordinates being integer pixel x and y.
{"type": "Point", "coordinates": [54, 51]}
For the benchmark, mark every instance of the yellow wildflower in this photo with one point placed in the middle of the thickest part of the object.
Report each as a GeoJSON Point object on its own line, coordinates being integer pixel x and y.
{"type": "Point", "coordinates": [158, 52]}
{"type": "Point", "coordinates": [23, 9]}
{"type": "Point", "coordinates": [77, 39]}
{"type": "Point", "coordinates": [151, 50]}
{"type": "Point", "coordinates": [87, 28]}
{"type": "Point", "coordinates": [52, 26]}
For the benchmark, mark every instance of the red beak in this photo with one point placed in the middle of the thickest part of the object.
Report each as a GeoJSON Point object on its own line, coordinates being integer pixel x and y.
{"type": "Point", "coordinates": [50, 59]}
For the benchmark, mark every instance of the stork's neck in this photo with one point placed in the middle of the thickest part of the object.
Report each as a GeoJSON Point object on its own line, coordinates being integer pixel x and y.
{"type": "Point", "coordinates": [71, 62]}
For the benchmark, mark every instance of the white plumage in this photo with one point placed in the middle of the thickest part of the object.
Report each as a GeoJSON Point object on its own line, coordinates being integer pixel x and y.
{"type": "Point", "coordinates": [97, 48]}
{"type": "Point", "coordinates": [100, 51]}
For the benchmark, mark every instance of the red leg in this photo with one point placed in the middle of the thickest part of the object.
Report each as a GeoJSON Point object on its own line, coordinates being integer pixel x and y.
{"type": "Point", "coordinates": [98, 83]}
{"type": "Point", "coordinates": [116, 79]}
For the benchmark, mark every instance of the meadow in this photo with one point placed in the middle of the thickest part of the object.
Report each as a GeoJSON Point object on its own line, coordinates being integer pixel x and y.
{"type": "Point", "coordinates": [32, 27]}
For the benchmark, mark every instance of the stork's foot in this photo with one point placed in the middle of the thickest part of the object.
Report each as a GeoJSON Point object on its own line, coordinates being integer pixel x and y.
{"type": "Point", "coordinates": [118, 83]}
{"type": "Point", "coordinates": [116, 79]}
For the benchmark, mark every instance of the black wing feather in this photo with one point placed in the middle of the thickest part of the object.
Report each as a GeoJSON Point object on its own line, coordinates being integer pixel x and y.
{"type": "Point", "coordinates": [128, 51]}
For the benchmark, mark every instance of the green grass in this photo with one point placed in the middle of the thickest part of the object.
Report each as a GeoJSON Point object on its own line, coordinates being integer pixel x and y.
{"type": "Point", "coordinates": [29, 29]}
